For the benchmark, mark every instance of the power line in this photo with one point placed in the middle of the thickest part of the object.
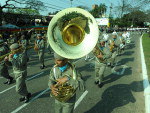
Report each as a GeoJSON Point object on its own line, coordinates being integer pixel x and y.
{"type": "Point", "coordinates": [53, 5]}
{"type": "Point", "coordinates": [53, 8]}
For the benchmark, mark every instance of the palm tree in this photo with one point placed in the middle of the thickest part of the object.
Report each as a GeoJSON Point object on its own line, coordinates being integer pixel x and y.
{"type": "Point", "coordinates": [99, 11]}
{"type": "Point", "coordinates": [102, 8]}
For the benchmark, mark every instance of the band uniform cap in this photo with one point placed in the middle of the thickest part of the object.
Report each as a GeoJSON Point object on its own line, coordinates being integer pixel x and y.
{"type": "Point", "coordinates": [39, 35]}
{"type": "Point", "coordinates": [58, 57]}
{"type": "Point", "coordinates": [14, 46]}
{"type": "Point", "coordinates": [114, 33]}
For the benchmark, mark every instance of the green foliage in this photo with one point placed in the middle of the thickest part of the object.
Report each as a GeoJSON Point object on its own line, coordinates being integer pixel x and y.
{"type": "Point", "coordinates": [146, 48]}
{"type": "Point", "coordinates": [27, 11]}
{"type": "Point", "coordinates": [99, 11]}
{"type": "Point", "coordinates": [67, 17]}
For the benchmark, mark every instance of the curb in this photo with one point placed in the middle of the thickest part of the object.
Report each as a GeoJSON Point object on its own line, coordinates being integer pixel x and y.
{"type": "Point", "coordinates": [146, 84]}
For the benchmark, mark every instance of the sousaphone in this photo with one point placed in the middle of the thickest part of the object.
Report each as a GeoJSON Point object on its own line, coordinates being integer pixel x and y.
{"type": "Point", "coordinates": [73, 33]}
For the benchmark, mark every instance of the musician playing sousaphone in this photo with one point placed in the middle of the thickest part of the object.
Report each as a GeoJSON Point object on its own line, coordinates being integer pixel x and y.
{"type": "Point", "coordinates": [69, 33]}
{"type": "Point", "coordinates": [61, 74]}
{"type": "Point", "coordinates": [102, 54]}
{"type": "Point", "coordinates": [40, 48]}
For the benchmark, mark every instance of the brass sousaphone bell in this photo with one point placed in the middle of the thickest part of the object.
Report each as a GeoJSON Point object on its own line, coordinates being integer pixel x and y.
{"type": "Point", "coordinates": [72, 33]}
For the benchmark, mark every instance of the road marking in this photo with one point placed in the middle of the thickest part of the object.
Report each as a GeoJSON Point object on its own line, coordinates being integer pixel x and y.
{"type": "Point", "coordinates": [26, 80]}
{"type": "Point", "coordinates": [119, 73]}
{"type": "Point", "coordinates": [146, 84]}
{"type": "Point", "coordinates": [40, 94]}
{"type": "Point", "coordinates": [24, 105]}
{"type": "Point", "coordinates": [80, 99]}
{"type": "Point", "coordinates": [123, 69]}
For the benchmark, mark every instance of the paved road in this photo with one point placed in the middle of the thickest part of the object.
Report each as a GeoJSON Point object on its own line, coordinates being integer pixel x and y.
{"type": "Point", "coordinates": [122, 92]}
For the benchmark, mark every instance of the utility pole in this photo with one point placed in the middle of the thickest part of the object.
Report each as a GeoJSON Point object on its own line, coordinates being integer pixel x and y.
{"type": "Point", "coordinates": [110, 10]}
{"type": "Point", "coordinates": [71, 2]}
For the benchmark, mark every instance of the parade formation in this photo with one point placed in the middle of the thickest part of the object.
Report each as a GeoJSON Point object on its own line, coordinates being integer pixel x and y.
{"type": "Point", "coordinates": [66, 41]}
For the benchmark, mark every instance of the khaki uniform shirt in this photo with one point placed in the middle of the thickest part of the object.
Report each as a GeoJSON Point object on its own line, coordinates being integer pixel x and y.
{"type": "Point", "coordinates": [73, 75]}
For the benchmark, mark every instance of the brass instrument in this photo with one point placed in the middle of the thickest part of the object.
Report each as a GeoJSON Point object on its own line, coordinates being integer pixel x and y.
{"type": "Point", "coordinates": [36, 47]}
{"type": "Point", "coordinates": [72, 33]}
{"type": "Point", "coordinates": [65, 92]}
{"type": "Point", "coordinates": [19, 49]}
{"type": "Point", "coordinates": [111, 45]}
{"type": "Point", "coordinates": [97, 51]}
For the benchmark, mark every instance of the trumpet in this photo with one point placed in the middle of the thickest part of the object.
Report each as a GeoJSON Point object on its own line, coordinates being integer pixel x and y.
{"type": "Point", "coordinates": [17, 50]}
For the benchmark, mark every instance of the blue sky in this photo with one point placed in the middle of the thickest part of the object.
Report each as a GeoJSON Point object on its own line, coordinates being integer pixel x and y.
{"type": "Point", "coordinates": [66, 3]}
{"type": "Point", "coordinates": [62, 4]}
{"type": "Point", "coordinates": [55, 5]}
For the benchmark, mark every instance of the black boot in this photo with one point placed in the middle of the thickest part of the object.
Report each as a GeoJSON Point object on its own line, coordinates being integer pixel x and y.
{"type": "Point", "coordinates": [9, 81]}
{"type": "Point", "coordinates": [100, 84]}
{"type": "Point", "coordinates": [27, 97]}
{"type": "Point", "coordinates": [42, 67]}
{"type": "Point", "coordinates": [22, 99]}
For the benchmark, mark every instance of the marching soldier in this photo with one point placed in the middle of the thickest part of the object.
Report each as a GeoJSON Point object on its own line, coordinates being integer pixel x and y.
{"type": "Point", "coordinates": [40, 48]}
{"type": "Point", "coordinates": [3, 67]}
{"type": "Point", "coordinates": [23, 43]}
{"type": "Point", "coordinates": [18, 60]}
{"type": "Point", "coordinates": [64, 72]}
{"type": "Point", "coordinates": [12, 39]}
{"type": "Point", "coordinates": [102, 54]}
{"type": "Point", "coordinates": [116, 44]}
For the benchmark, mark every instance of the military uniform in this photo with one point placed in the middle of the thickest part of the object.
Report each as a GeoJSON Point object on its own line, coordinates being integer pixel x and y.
{"type": "Point", "coordinates": [116, 48]}
{"type": "Point", "coordinates": [19, 64]}
{"type": "Point", "coordinates": [100, 65]}
{"type": "Point", "coordinates": [74, 80]}
{"type": "Point", "coordinates": [3, 67]}
{"type": "Point", "coordinates": [41, 48]}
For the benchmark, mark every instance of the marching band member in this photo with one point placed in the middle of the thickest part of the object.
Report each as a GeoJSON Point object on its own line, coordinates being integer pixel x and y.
{"type": "Point", "coordinates": [40, 48]}
{"type": "Point", "coordinates": [3, 67]}
{"type": "Point", "coordinates": [116, 44]}
{"type": "Point", "coordinates": [12, 40]}
{"type": "Point", "coordinates": [18, 60]}
{"type": "Point", "coordinates": [64, 72]}
{"type": "Point", "coordinates": [102, 53]}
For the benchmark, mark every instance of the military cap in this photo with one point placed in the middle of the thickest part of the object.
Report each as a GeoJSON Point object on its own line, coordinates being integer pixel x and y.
{"type": "Point", "coordinates": [58, 57]}
{"type": "Point", "coordinates": [14, 46]}
{"type": "Point", "coordinates": [39, 35]}
{"type": "Point", "coordinates": [114, 33]}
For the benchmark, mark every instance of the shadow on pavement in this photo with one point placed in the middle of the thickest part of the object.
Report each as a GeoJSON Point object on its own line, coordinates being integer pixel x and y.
{"type": "Point", "coordinates": [125, 60]}
{"type": "Point", "coordinates": [128, 53]}
{"type": "Point", "coordinates": [86, 67]}
{"type": "Point", "coordinates": [113, 77]}
{"type": "Point", "coordinates": [116, 96]}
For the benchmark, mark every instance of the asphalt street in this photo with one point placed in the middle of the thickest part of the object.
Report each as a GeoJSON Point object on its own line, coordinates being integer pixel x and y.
{"type": "Point", "coordinates": [122, 92]}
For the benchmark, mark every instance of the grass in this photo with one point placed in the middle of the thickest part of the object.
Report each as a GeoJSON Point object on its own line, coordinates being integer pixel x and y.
{"type": "Point", "coordinates": [146, 47]}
